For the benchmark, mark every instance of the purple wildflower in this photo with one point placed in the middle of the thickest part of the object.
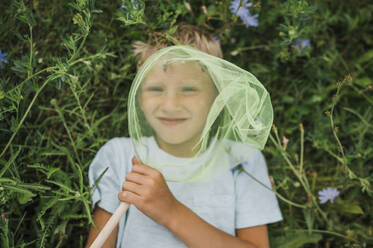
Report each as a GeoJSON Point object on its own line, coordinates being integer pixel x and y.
{"type": "Point", "coordinates": [216, 39]}
{"type": "Point", "coordinates": [133, 5]}
{"type": "Point", "coordinates": [235, 4]}
{"type": "Point", "coordinates": [251, 20]}
{"type": "Point", "coordinates": [301, 44]}
{"type": "Point", "coordinates": [328, 194]}
{"type": "Point", "coordinates": [241, 10]}
{"type": "Point", "coordinates": [2, 59]}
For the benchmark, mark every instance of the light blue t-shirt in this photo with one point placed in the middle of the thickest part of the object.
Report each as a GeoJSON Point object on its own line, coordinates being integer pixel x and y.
{"type": "Point", "coordinates": [231, 201]}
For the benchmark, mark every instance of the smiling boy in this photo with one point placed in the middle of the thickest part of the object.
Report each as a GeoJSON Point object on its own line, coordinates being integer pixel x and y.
{"type": "Point", "coordinates": [230, 210]}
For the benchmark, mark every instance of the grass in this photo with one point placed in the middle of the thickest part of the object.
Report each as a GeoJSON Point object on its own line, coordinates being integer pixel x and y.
{"type": "Point", "coordinates": [63, 94]}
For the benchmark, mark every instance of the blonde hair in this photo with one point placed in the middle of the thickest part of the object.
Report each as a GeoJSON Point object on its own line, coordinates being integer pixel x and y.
{"type": "Point", "coordinates": [185, 34]}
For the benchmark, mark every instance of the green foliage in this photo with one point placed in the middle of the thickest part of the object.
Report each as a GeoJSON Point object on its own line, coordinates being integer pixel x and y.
{"type": "Point", "coordinates": [296, 239]}
{"type": "Point", "coordinates": [64, 93]}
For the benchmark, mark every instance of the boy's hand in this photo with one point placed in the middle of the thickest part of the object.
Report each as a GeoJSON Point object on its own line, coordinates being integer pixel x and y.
{"type": "Point", "coordinates": [146, 188]}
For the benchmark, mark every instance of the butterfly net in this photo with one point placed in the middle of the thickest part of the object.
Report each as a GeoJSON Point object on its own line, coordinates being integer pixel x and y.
{"type": "Point", "coordinates": [193, 116]}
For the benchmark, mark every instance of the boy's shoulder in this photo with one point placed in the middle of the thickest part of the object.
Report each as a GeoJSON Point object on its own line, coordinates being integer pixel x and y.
{"type": "Point", "coordinates": [116, 153]}
{"type": "Point", "coordinates": [117, 144]}
{"type": "Point", "coordinates": [121, 141]}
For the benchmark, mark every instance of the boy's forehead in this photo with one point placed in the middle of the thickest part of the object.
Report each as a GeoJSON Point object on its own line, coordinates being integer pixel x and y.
{"type": "Point", "coordinates": [182, 70]}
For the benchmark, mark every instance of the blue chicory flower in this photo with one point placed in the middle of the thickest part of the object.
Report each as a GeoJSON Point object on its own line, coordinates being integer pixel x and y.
{"type": "Point", "coordinates": [241, 10]}
{"type": "Point", "coordinates": [134, 5]}
{"type": "Point", "coordinates": [301, 44]}
{"type": "Point", "coordinates": [2, 59]}
{"type": "Point", "coordinates": [251, 20]}
{"type": "Point", "coordinates": [328, 194]}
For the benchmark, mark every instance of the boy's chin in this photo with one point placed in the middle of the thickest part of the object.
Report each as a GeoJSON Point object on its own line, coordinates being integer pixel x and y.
{"type": "Point", "coordinates": [172, 140]}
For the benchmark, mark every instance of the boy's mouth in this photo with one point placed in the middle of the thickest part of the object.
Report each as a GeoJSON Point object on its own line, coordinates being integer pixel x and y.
{"type": "Point", "coordinates": [171, 121]}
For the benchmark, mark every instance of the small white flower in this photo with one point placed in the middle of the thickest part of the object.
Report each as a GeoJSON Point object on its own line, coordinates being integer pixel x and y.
{"type": "Point", "coordinates": [187, 6]}
{"type": "Point", "coordinates": [234, 53]}
{"type": "Point", "coordinates": [328, 194]}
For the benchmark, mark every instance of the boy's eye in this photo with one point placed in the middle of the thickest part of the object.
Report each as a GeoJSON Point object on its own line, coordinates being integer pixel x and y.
{"type": "Point", "coordinates": [189, 89]}
{"type": "Point", "coordinates": [157, 89]}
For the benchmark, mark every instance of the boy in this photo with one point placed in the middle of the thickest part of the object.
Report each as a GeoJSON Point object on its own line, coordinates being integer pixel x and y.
{"type": "Point", "coordinates": [175, 100]}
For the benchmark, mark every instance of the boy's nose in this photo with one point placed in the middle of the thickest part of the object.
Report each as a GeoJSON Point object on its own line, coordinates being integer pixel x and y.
{"type": "Point", "coordinates": [170, 102]}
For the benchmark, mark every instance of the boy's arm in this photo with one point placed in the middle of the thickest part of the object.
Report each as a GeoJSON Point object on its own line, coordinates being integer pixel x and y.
{"type": "Point", "coordinates": [100, 217]}
{"type": "Point", "coordinates": [195, 232]}
{"type": "Point", "coordinates": [257, 234]}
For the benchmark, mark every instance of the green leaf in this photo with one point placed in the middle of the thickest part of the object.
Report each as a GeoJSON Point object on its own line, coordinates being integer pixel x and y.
{"type": "Point", "coordinates": [288, 99]}
{"type": "Point", "coordinates": [368, 56]}
{"type": "Point", "coordinates": [309, 218]}
{"type": "Point", "coordinates": [349, 208]}
{"type": "Point", "coordinates": [25, 197]}
{"type": "Point", "coordinates": [10, 162]}
{"type": "Point", "coordinates": [316, 99]}
{"type": "Point", "coordinates": [365, 81]}
{"type": "Point", "coordinates": [296, 240]}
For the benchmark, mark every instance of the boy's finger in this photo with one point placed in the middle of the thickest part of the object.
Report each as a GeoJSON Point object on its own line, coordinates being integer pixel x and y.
{"type": "Point", "coordinates": [132, 187]}
{"type": "Point", "coordinates": [129, 197]}
{"type": "Point", "coordinates": [135, 160]}
{"type": "Point", "coordinates": [142, 169]}
{"type": "Point", "coordinates": [137, 178]}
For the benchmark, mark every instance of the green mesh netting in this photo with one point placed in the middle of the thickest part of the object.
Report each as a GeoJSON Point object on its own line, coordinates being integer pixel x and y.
{"type": "Point", "coordinates": [202, 111]}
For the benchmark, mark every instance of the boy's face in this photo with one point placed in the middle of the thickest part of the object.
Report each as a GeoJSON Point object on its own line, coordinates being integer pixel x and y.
{"type": "Point", "coordinates": [176, 99]}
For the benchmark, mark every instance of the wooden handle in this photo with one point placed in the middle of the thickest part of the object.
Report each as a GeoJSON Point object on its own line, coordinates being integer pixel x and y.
{"type": "Point", "coordinates": [109, 226]}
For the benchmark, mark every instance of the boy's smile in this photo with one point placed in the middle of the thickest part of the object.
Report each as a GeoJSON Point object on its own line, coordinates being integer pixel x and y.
{"type": "Point", "coordinates": [170, 121]}
{"type": "Point", "coordinates": [176, 99]}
